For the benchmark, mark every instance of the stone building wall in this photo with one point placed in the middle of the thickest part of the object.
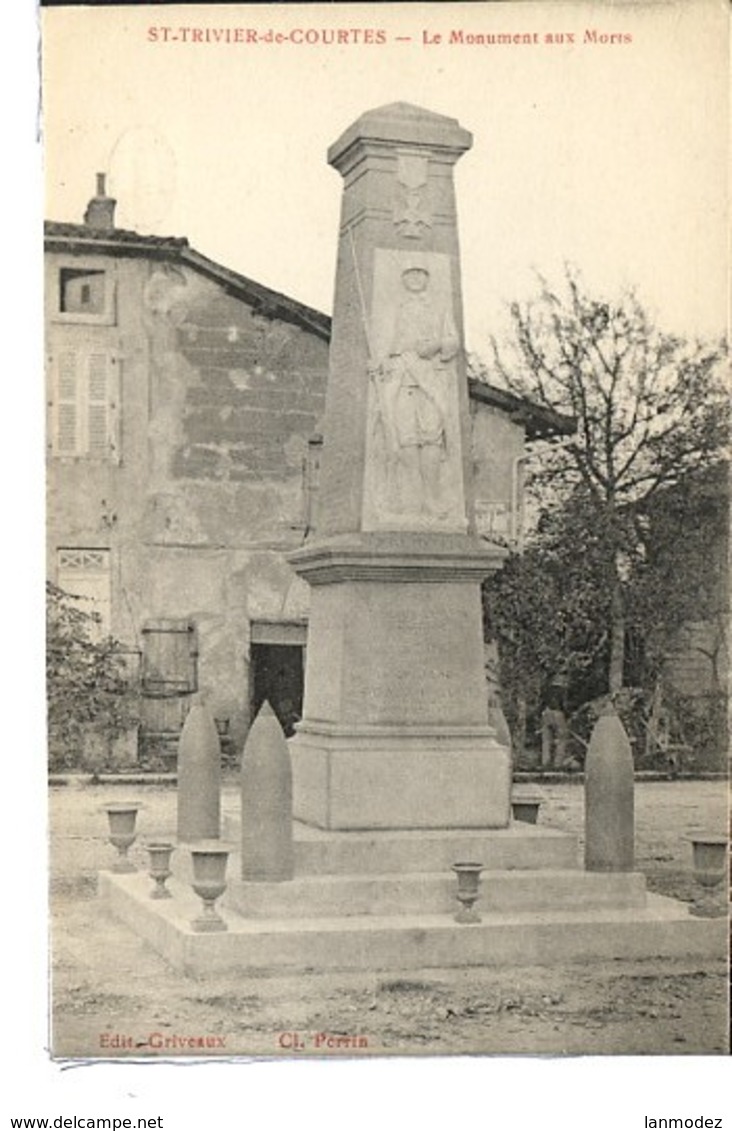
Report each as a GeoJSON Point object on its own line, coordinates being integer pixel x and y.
{"type": "Point", "coordinates": [498, 449]}
{"type": "Point", "coordinates": [204, 488]}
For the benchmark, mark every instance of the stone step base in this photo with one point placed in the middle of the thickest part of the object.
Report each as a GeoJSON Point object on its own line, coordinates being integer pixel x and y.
{"type": "Point", "coordinates": [662, 929]}
{"type": "Point", "coordinates": [520, 845]}
{"type": "Point", "coordinates": [432, 893]}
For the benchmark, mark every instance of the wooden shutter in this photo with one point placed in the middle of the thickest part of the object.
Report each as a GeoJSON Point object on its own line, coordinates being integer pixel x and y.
{"type": "Point", "coordinates": [85, 409]}
{"type": "Point", "coordinates": [169, 658]}
{"type": "Point", "coordinates": [67, 441]}
{"type": "Point", "coordinates": [97, 405]}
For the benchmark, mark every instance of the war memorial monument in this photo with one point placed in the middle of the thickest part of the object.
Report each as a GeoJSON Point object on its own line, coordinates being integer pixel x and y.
{"type": "Point", "coordinates": [380, 837]}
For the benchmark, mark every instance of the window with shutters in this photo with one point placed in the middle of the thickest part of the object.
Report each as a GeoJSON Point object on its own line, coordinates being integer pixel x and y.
{"type": "Point", "coordinates": [84, 573]}
{"type": "Point", "coordinates": [84, 404]}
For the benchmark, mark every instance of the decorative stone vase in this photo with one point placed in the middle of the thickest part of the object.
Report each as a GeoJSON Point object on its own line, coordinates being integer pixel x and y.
{"type": "Point", "coordinates": [209, 882]}
{"type": "Point", "coordinates": [525, 809]}
{"type": "Point", "coordinates": [468, 879]}
{"type": "Point", "coordinates": [160, 853]}
{"type": "Point", "coordinates": [709, 855]}
{"type": "Point", "coordinates": [122, 817]}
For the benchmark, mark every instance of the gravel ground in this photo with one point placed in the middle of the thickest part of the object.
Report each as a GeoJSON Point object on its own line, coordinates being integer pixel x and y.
{"type": "Point", "coordinates": [112, 995]}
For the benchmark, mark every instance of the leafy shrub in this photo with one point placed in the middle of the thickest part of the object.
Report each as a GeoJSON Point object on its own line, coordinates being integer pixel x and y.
{"type": "Point", "coordinates": [92, 697]}
{"type": "Point", "coordinates": [702, 723]}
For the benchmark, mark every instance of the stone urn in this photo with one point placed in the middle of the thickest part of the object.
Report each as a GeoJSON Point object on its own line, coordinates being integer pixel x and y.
{"type": "Point", "coordinates": [709, 857]}
{"type": "Point", "coordinates": [468, 880]}
{"type": "Point", "coordinates": [160, 853]}
{"type": "Point", "coordinates": [525, 809]}
{"type": "Point", "coordinates": [122, 817]}
{"type": "Point", "coordinates": [209, 858]}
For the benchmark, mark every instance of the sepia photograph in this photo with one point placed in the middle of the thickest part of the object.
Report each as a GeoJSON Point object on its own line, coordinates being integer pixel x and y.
{"type": "Point", "coordinates": [387, 554]}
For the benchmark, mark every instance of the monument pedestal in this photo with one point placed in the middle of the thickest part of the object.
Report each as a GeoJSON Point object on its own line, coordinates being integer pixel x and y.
{"type": "Point", "coordinates": [399, 778]}
{"type": "Point", "coordinates": [395, 733]}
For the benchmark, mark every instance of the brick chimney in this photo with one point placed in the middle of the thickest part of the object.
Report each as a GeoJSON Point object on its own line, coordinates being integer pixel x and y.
{"type": "Point", "coordinates": [100, 209]}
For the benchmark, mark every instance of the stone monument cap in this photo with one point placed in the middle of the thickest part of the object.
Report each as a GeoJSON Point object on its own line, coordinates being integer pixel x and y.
{"type": "Point", "coordinates": [401, 123]}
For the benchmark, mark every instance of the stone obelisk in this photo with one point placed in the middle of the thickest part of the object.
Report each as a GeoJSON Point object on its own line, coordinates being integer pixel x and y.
{"type": "Point", "coordinates": [395, 732]}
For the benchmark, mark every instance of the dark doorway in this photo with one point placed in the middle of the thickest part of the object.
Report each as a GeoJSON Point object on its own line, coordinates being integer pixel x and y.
{"type": "Point", "coordinates": [277, 675]}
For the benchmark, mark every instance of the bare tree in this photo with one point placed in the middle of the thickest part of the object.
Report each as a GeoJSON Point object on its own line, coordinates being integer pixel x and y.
{"type": "Point", "coordinates": [650, 407]}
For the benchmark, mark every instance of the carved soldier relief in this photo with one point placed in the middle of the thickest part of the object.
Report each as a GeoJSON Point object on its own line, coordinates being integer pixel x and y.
{"type": "Point", "coordinates": [413, 475]}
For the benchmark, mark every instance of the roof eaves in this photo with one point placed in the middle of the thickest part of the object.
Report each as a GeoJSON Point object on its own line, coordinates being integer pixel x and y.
{"type": "Point", "coordinates": [267, 301]}
{"type": "Point", "coordinates": [118, 241]}
{"type": "Point", "coordinates": [540, 422]}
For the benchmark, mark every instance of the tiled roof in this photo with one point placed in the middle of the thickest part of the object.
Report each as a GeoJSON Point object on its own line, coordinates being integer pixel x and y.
{"type": "Point", "coordinates": [80, 234]}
